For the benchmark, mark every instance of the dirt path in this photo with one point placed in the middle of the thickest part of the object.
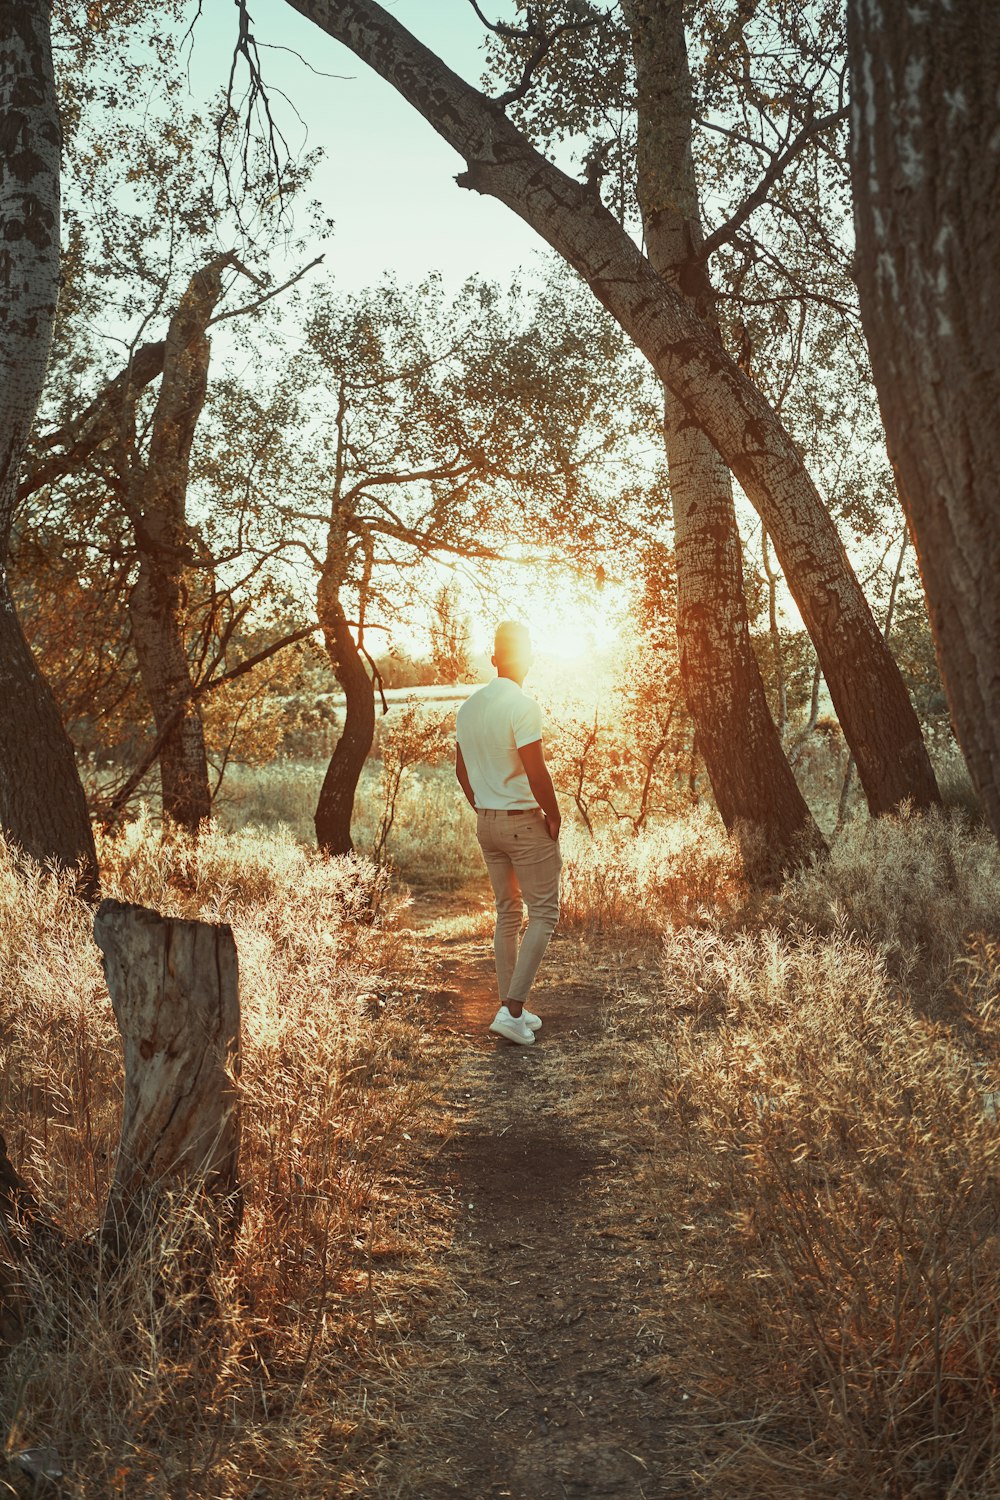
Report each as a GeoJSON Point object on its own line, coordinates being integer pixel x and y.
{"type": "Point", "coordinates": [554, 1381]}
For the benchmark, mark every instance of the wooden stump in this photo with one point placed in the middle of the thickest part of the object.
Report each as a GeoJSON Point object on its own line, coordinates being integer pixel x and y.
{"type": "Point", "coordinates": [174, 988]}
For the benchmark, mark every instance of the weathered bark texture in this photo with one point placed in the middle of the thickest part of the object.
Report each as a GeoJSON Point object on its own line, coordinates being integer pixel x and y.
{"type": "Point", "coordinates": [42, 806]}
{"type": "Point", "coordinates": [753, 785]}
{"type": "Point", "coordinates": [155, 498]}
{"type": "Point", "coordinates": [925, 146]}
{"type": "Point", "coordinates": [864, 681]}
{"type": "Point", "coordinates": [174, 988]}
{"type": "Point", "coordinates": [340, 784]}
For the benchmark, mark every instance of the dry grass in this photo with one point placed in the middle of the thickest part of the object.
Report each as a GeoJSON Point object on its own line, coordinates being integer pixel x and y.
{"type": "Point", "coordinates": [296, 1379]}
{"type": "Point", "coordinates": [432, 841]}
{"type": "Point", "coordinates": [812, 1088]}
{"type": "Point", "coordinates": [913, 884]}
{"type": "Point", "coordinates": [687, 872]}
{"type": "Point", "coordinates": [824, 1161]}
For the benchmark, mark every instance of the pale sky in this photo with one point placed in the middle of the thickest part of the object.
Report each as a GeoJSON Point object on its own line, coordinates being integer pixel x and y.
{"type": "Point", "coordinates": [388, 178]}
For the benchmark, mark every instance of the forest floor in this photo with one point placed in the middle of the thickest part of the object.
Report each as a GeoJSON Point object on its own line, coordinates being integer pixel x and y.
{"type": "Point", "coordinates": [547, 1368]}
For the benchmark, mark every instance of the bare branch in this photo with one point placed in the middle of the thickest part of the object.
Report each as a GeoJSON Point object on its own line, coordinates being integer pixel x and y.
{"type": "Point", "coordinates": [256, 99]}
{"type": "Point", "coordinates": [453, 470]}
{"type": "Point", "coordinates": [779, 161]}
{"type": "Point", "coordinates": [376, 676]}
{"type": "Point", "coordinates": [236, 312]}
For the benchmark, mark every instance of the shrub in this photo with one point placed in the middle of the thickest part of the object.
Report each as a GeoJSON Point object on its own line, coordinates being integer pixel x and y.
{"type": "Point", "coordinates": [916, 883]}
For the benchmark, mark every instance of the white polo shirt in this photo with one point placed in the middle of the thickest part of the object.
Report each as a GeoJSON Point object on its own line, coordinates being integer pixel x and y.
{"type": "Point", "coordinates": [491, 726]}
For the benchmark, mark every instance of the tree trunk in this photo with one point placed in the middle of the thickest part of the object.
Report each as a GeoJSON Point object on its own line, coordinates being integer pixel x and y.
{"type": "Point", "coordinates": [156, 502]}
{"type": "Point", "coordinates": [754, 788]}
{"type": "Point", "coordinates": [174, 988]}
{"type": "Point", "coordinates": [925, 129]}
{"type": "Point", "coordinates": [158, 637]}
{"type": "Point", "coordinates": [340, 784]}
{"type": "Point", "coordinates": [864, 681]}
{"type": "Point", "coordinates": [774, 631]}
{"type": "Point", "coordinates": [43, 809]}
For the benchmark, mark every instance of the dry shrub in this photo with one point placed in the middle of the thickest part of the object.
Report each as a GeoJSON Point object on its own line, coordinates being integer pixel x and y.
{"type": "Point", "coordinates": [433, 838]}
{"type": "Point", "coordinates": [687, 871]}
{"type": "Point", "coordinates": [290, 1378]}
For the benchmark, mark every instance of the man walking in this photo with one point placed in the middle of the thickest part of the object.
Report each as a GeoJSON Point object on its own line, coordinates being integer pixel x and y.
{"type": "Point", "coordinates": [502, 771]}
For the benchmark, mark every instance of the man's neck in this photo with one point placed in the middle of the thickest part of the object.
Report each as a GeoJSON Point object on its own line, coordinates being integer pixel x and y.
{"type": "Point", "coordinates": [511, 677]}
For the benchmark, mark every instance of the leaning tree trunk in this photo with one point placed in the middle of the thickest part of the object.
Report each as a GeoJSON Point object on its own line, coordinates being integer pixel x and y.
{"type": "Point", "coordinates": [753, 785]}
{"type": "Point", "coordinates": [42, 805]}
{"type": "Point", "coordinates": [340, 784]}
{"type": "Point", "coordinates": [864, 681]}
{"type": "Point", "coordinates": [925, 133]}
{"type": "Point", "coordinates": [156, 501]}
{"type": "Point", "coordinates": [174, 988]}
{"type": "Point", "coordinates": [158, 637]}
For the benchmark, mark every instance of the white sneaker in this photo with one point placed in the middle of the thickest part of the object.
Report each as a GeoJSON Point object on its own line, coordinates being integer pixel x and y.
{"type": "Point", "coordinates": [514, 1028]}
{"type": "Point", "coordinates": [530, 1019]}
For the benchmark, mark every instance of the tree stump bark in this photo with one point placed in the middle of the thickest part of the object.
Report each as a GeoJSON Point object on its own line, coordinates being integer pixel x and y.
{"type": "Point", "coordinates": [174, 988]}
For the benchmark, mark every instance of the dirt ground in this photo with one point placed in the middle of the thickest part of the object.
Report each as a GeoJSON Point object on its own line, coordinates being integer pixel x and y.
{"type": "Point", "coordinates": [552, 1379]}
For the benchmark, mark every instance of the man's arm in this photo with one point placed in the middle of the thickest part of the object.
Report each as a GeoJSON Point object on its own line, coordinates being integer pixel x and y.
{"type": "Point", "coordinates": [540, 782]}
{"type": "Point", "coordinates": [463, 778]}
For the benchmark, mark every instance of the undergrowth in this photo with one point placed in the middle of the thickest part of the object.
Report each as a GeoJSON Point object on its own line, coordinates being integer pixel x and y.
{"type": "Point", "coordinates": [808, 1079]}
{"type": "Point", "coordinates": [296, 1377]}
{"type": "Point", "coordinates": [816, 1092]}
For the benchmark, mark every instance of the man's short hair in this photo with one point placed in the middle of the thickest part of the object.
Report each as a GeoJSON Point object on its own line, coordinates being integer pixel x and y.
{"type": "Point", "coordinates": [511, 639]}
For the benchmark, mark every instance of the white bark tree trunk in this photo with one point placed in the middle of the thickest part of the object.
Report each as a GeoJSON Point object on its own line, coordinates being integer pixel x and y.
{"type": "Point", "coordinates": [754, 788]}
{"type": "Point", "coordinates": [42, 805]}
{"type": "Point", "coordinates": [864, 681]}
{"type": "Point", "coordinates": [925, 146]}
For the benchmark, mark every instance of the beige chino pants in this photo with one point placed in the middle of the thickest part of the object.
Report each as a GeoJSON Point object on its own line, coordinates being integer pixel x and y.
{"type": "Point", "coordinates": [523, 861]}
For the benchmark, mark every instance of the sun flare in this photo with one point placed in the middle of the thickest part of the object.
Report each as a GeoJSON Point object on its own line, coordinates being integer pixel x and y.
{"type": "Point", "coordinates": [568, 623]}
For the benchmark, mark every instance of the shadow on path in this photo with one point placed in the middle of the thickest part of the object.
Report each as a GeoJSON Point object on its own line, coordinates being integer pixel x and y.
{"type": "Point", "coordinates": [557, 1387]}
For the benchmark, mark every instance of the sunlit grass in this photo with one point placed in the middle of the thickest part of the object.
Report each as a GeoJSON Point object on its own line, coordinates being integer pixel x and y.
{"type": "Point", "coordinates": [294, 1372]}
{"type": "Point", "coordinates": [809, 1078]}
{"type": "Point", "coordinates": [813, 1091]}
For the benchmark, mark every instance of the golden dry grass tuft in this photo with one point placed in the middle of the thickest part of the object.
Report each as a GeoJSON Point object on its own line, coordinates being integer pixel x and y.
{"type": "Point", "coordinates": [295, 1376]}
{"type": "Point", "coordinates": [913, 883]}
{"type": "Point", "coordinates": [685, 872]}
{"type": "Point", "coordinates": [823, 1156]}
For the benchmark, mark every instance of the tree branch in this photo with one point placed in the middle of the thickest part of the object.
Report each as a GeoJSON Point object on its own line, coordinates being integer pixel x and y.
{"type": "Point", "coordinates": [114, 808]}
{"type": "Point", "coordinates": [95, 424]}
{"type": "Point", "coordinates": [544, 41]}
{"type": "Point", "coordinates": [236, 312]}
{"type": "Point", "coordinates": [779, 161]}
